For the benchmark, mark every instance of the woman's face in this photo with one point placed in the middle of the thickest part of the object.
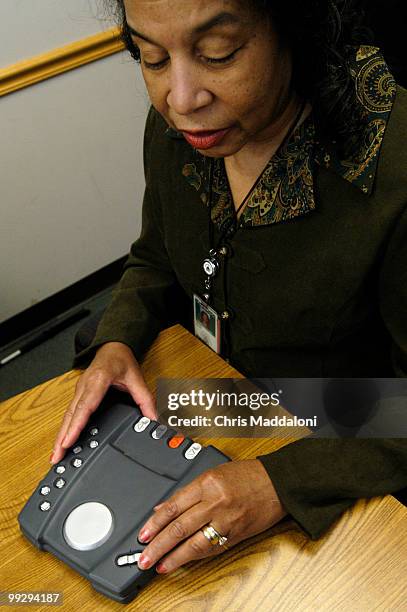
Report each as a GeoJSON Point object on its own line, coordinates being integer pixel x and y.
{"type": "Point", "coordinates": [214, 70]}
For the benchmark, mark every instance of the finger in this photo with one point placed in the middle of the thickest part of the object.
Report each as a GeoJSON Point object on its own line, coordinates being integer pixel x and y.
{"type": "Point", "coordinates": [172, 508]}
{"type": "Point", "coordinates": [178, 530]}
{"type": "Point", "coordinates": [196, 547]}
{"type": "Point", "coordinates": [87, 404]}
{"type": "Point", "coordinates": [59, 451]}
{"type": "Point", "coordinates": [142, 395]}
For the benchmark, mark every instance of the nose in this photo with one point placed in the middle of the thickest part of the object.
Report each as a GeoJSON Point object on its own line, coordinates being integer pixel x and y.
{"type": "Point", "coordinates": [187, 92]}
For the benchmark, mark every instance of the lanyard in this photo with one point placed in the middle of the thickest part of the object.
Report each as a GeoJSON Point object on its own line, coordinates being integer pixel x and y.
{"type": "Point", "coordinates": [212, 263]}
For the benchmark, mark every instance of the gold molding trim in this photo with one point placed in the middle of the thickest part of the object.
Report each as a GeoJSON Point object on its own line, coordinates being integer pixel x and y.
{"type": "Point", "coordinates": [57, 61]}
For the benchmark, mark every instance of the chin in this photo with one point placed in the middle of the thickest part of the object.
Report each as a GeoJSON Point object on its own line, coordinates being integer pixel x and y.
{"type": "Point", "coordinates": [223, 150]}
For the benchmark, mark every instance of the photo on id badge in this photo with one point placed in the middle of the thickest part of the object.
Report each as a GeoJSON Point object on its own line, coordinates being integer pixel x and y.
{"type": "Point", "coordinates": [206, 324]}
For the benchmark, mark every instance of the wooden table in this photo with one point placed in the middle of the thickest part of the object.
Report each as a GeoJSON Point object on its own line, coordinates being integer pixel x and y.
{"type": "Point", "coordinates": [360, 565]}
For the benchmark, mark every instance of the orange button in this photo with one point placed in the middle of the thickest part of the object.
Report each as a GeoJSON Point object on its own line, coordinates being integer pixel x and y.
{"type": "Point", "coordinates": [176, 441]}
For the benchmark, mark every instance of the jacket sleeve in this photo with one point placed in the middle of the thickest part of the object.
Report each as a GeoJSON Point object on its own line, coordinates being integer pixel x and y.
{"type": "Point", "coordinates": [148, 297]}
{"type": "Point", "coordinates": [317, 479]}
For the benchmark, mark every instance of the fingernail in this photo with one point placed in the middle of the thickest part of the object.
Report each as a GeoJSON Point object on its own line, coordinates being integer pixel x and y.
{"type": "Point", "coordinates": [144, 535]}
{"type": "Point", "coordinates": [157, 506]}
{"type": "Point", "coordinates": [50, 459]}
{"type": "Point", "coordinates": [161, 569]}
{"type": "Point", "coordinates": [144, 562]}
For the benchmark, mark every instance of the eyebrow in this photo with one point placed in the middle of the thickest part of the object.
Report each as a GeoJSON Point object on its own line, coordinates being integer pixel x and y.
{"type": "Point", "coordinates": [218, 20]}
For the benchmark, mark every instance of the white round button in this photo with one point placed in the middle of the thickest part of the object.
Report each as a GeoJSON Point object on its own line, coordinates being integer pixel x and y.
{"type": "Point", "coordinates": [59, 483]}
{"type": "Point", "coordinates": [88, 526]}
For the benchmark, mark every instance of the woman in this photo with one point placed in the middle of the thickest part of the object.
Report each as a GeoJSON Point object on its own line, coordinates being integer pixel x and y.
{"type": "Point", "coordinates": [274, 196]}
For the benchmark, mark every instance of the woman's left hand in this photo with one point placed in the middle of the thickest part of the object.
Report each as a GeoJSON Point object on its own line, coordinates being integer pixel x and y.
{"type": "Point", "coordinates": [238, 499]}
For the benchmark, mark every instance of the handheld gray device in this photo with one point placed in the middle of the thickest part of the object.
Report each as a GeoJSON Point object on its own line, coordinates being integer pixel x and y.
{"type": "Point", "coordinates": [89, 508]}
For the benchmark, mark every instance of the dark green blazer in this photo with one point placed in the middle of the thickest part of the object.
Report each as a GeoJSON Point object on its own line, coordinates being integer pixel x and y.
{"type": "Point", "coordinates": [314, 282]}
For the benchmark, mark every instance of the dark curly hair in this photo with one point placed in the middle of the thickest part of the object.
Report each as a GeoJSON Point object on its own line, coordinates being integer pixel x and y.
{"type": "Point", "coordinates": [322, 35]}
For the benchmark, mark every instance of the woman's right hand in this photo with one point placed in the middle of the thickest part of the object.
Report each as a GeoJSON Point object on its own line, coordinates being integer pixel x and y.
{"type": "Point", "coordinates": [113, 365]}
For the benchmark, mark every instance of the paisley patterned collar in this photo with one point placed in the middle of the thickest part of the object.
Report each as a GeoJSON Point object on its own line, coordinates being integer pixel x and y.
{"type": "Point", "coordinates": [285, 189]}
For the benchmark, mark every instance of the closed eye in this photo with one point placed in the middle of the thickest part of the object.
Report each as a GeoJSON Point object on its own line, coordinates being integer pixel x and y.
{"type": "Point", "coordinates": [155, 65]}
{"type": "Point", "coordinates": [208, 60]}
{"type": "Point", "coordinates": [221, 60]}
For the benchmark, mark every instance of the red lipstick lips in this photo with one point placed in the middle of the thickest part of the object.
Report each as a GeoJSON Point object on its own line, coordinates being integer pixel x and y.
{"type": "Point", "coordinates": [205, 139]}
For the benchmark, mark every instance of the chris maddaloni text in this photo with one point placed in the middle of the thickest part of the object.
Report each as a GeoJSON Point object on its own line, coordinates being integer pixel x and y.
{"type": "Point", "coordinates": [252, 421]}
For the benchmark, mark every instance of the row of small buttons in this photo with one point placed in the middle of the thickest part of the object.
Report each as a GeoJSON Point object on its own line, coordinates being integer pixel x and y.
{"type": "Point", "coordinates": [76, 462]}
{"type": "Point", "coordinates": [174, 442]}
{"type": "Point", "coordinates": [78, 449]}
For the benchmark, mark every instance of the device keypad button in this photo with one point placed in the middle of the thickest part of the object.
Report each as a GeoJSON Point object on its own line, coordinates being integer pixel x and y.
{"type": "Point", "coordinates": [88, 526]}
{"type": "Point", "coordinates": [159, 432]}
{"type": "Point", "coordinates": [176, 441]}
{"type": "Point", "coordinates": [142, 424]}
{"type": "Point", "coordinates": [192, 451]}
{"type": "Point", "coordinates": [129, 559]}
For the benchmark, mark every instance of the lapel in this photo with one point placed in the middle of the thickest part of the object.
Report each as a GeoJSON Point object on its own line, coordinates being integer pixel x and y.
{"type": "Point", "coordinates": [285, 190]}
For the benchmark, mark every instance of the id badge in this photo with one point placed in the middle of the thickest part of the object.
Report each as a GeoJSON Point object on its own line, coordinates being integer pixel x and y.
{"type": "Point", "coordinates": [206, 324]}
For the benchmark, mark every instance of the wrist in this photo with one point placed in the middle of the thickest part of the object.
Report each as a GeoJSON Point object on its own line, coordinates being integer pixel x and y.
{"type": "Point", "coordinates": [114, 347]}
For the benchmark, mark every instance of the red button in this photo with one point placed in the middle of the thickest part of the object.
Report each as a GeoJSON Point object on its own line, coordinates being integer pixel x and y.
{"type": "Point", "coordinates": [176, 441]}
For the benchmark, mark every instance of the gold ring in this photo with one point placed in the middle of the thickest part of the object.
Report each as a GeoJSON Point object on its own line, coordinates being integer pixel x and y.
{"type": "Point", "coordinates": [214, 537]}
